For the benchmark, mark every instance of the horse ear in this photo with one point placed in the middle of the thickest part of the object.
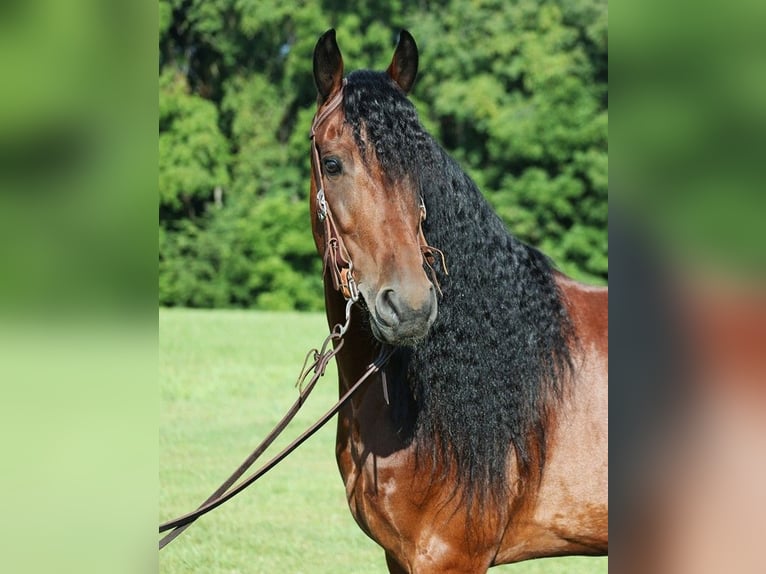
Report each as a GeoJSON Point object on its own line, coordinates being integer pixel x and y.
{"type": "Point", "coordinates": [404, 65]}
{"type": "Point", "coordinates": [328, 66]}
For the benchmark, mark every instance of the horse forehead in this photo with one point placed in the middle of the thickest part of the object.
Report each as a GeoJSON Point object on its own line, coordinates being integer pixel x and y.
{"type": "Point", "coordinates": [334, 126]}
{"type": "Point", "coordinates": [340, 134]}
{"type": "Point", "coordinates": [331, 129]}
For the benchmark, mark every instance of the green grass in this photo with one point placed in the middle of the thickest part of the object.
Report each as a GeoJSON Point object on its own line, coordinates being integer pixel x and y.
{"type": "Point", "coordinates": [226, 377]}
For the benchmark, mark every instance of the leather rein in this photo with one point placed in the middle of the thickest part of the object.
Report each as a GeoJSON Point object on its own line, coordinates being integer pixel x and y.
{"type": "Point", "coordinates": [337, 262]}
{"type": "Point", "coordinates": [321, 359]}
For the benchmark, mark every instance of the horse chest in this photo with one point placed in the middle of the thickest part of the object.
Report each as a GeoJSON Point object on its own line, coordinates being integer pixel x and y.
{"type": "Point", "coordinates": [379, 485]}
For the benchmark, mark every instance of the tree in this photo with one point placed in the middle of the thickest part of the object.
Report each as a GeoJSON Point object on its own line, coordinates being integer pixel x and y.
{"type": "Point", "coordinates": [518, 97]}
{"type": "Point", "coordinates": [193, 153]}
{"type": "Point", "coordinates": [517, 92]}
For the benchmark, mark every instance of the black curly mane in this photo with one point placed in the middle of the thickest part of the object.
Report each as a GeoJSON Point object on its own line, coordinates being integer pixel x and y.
{"type": "Point", "coordinates": [479, 389]}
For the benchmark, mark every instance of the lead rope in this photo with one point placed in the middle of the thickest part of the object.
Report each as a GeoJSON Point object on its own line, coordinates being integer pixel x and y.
{"type": "Point", "coordinates": [318, 366]}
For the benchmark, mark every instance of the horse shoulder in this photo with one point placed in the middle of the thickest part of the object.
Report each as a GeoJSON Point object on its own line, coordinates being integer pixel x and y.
{"type": "Point", "coordinates": [570, 515]}
{"type": "Point", "coordinates": [574, 491]}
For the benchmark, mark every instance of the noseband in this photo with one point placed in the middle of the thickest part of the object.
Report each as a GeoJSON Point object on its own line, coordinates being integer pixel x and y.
{"type": "Point", "coordinates": [337, 258]}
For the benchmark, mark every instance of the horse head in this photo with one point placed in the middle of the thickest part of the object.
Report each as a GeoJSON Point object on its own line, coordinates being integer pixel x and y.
{"type": "Point", "coordinates": [366, 214]}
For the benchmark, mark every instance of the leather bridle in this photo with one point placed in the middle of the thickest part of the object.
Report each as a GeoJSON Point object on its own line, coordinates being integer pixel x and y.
{"type": "Point", "coordinates": [337, 259]}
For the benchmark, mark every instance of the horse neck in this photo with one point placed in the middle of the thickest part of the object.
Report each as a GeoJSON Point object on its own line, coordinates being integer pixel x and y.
{"type": "Point", "coordinates": [461, 222]}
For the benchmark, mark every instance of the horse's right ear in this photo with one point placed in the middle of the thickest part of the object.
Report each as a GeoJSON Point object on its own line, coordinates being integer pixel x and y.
{"type": "Point", "coordinates": [328, 66]}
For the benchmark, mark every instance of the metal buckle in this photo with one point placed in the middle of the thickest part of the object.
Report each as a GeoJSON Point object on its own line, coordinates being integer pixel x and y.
{"type": "Point", "coordinates": [321, 205]}
{"type": "Point", "coordinates": [348, 287]}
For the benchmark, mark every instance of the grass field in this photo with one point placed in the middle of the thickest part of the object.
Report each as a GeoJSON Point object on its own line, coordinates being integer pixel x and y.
{"type": "Point", "coordinates": [225, 378]}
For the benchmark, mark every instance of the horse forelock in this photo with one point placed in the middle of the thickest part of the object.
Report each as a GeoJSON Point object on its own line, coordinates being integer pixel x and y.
{"type": "Point", "coordinates": [385, 122]}
{"type": "Point", "coordinates": [479, 389]}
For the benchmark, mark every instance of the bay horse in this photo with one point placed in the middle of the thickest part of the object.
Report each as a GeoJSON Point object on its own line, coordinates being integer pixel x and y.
{"type": "Point", "coordinates": [483, 440]}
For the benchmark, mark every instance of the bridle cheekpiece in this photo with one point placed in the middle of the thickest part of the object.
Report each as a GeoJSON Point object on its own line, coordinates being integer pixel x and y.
{"type": "Point", "coordinates": [337, 260]}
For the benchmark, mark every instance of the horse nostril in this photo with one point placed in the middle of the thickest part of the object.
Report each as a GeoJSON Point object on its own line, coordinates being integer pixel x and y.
{"type": "Point", "coordinates": [386, 307]}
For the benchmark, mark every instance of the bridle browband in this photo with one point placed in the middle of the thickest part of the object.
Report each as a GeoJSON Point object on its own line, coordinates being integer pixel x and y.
{"type": "Point", "coordinates": [336, 257]}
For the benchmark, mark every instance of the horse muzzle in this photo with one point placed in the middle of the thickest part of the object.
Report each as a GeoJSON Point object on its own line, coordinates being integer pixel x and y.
{"type": "Point", "coordinates": [398, 317]}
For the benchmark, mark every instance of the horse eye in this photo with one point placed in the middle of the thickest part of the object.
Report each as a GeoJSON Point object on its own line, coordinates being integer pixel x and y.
{"type": "Point", "coordinates": [332, 166]}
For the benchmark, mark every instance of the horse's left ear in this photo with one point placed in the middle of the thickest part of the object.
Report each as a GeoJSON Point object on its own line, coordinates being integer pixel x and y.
{"type": "Point", "coordinates": [404, 65]}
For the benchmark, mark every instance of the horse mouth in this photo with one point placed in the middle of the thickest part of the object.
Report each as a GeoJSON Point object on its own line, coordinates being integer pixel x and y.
{"type": "Point", "coordinates": [398, 337]}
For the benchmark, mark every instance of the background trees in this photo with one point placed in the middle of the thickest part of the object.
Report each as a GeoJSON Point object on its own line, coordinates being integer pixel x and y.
{"type": "Point", "coordinates": [516, 91]}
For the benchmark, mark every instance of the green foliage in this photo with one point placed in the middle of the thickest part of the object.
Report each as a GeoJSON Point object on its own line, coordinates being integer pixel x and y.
{"type": "Point", "coordinates": [518, 96]}
{"type": "Point", "coordinates": [274, 263]}
{"type": "Point", "coordinates": [516, 91]}
{"type": "Point", "coordinates": [193, 153]}
{"type": "Point", "coordinates": [252, 254]}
